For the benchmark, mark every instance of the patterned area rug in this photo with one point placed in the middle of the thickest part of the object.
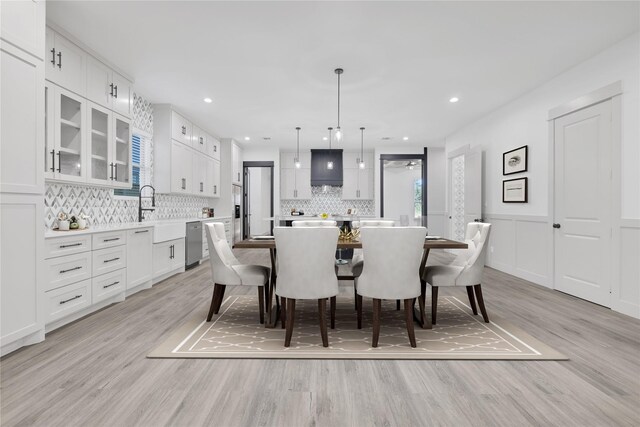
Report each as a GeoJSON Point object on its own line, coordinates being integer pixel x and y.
{"type": "Point", "coordinates": [236, 333]}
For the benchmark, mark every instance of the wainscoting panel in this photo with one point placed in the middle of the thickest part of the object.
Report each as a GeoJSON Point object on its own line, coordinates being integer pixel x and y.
{"type": "Point", "coordinates": [520, 245]}
{"type": "Point", "coordinates": [625, 294]}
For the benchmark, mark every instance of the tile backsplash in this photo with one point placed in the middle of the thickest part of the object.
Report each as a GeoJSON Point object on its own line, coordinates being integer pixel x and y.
{"type": "Point", "coordinates": [104, 208]}
{"type": "Point", "coordinates": [327, 202]}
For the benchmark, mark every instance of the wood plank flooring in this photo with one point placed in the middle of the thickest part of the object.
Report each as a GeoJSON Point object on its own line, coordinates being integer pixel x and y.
{"type": "Point", "coordinates": [93, 372]}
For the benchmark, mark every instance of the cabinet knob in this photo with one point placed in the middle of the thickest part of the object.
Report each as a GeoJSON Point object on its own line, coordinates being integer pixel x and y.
{"type": "Point", "coordinates": [556, 225]}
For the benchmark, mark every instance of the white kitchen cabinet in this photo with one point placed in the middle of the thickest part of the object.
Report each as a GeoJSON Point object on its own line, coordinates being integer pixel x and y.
{"type": "Point", "coordinates": [357, 183]}
{"type": "Point", "coordinates": [121, 158]}
{"type": "Point", "coordinates": [199, 174]}
{"type": "Point", "coordinates": [181, 129]}
{"type": "Point", "coordinates": [22, 24]}
{"type": "Point", "coordinates": [108, 88]}
{"type": "Point", "coordinates": [22, 34]}
{"type": "Point", "coordinates": [167, 257]}
{"type": "Point", "coordinates": [22, 118]}
{"type": "Point", "coordinates": [65, 63]}
{"type": "Point", "coordinates": [198, 139]}
{"type": "Point", "coordinates": [122, 95]}
{"type": "Point", "coordinates": [108, 259]}
{"type": "Point", "coordinates": [67, 300]}
{"type": "Point", "coordinates": [236, 164]}
{"type": "Point", "coordinates": [108, 285]}
{"type": "Point", "coordinates": [213, 147]}
{"type": "Point", "coordinates": [295, 183]}
{"type": "Point", "coordinates": [181, 169]}
{"type": "Point", "coordinates": [139, 257]}
{"type": "Point", "coordinates": [67, 269]}
{"type": "Point", "coordinates": [65, 136]}
{"type": "Point", "coordinates": [214, 179]}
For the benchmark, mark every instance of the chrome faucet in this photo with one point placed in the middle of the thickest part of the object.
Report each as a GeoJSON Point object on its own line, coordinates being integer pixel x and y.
{"type": "Point", "coordinates": [153, 202]}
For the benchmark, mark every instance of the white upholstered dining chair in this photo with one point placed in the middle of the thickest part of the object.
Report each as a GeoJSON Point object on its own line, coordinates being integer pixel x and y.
{"type": "Point", "coordinates": [465, 271]}
{"type": "Point", "coordinates": [358, 260]}
{"type": "Point", "coordinates": [313, 223]}
{"type": "Point", "coordinates": [306, 271]}
{"type": "Point", "coordinates": [226, 270]}
{"type": "Point", "coordinates": [392, 271]}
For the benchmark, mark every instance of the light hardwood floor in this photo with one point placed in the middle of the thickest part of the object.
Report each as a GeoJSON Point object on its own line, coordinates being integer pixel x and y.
{"type": "Point", "coordinates": [93, 372]}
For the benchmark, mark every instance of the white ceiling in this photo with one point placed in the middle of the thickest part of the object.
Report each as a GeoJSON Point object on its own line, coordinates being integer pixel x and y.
{"type": "Point", "coordinates": [269, 65]}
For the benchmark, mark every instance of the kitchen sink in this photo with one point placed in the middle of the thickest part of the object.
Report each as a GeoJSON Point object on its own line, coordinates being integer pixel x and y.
{"type": "Point", "coordinates": [163, 231]}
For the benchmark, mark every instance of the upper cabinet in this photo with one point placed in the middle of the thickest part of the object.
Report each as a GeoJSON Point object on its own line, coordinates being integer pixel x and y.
{"type": "Point", "coordinates": [22, 24]}
{"type": "Point", "coordinates": [357, 182]}
{"type": "Point", "coordinates": [295, 183]}
{"type": "Point", "coordinates": [186, 158]}
{"type": "Point", "coordinates": [65, 64]}
{"type": "Point", "coordinates": [108, 88]}
{"type": "Point", "coordinates": [236, 164]}
{"type": "Point", "coordinates": [87, 117]}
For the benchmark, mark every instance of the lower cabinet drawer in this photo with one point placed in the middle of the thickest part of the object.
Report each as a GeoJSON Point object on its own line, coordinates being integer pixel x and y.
{"type": "Point", "coordinates": [68, 269]}
{"type": "Point", "coordinates": [109, 284]}
{"type": "Point", "coordinates": [109, 259]}
{"type": "Point", "coordinates": [67, 300]}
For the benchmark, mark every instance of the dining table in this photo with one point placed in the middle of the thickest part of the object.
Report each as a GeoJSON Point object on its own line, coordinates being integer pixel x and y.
{"type": "Point", "coordinates": [260, 242]}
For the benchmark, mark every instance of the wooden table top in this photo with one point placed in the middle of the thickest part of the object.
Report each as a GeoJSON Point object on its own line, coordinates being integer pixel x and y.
{"type": "Point", "coordinates": [428, 244]}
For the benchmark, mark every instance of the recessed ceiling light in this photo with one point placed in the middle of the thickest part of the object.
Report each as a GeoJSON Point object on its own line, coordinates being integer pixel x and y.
{"type": "Point", "coordinates": [405, 138]}
{"type": "Point", "coordinates": [324, 138]}
{"type": "Point", "coordinates": [208, 100]}
{"type": "Point", "coordinates": [266, 138]}
{"type": "Point", "coordinates": [454, 99]}
{"type": "Point", "coordinates": [246, 138]}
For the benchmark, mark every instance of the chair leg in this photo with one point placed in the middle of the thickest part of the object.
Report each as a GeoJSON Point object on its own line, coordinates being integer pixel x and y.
{"type": "Point", "coordinates": [216, 300]}
{"type": "Point", "coordinates": [377, 307]}
{"type": "Point", "coordinates": [283, 312]}
{"type": "Point", "coordinates": [472, 300]}
{"type": "Point", "coordinates": [408, 315]}
{"type": "Point", "coordinates": [478, 289]}
{"type": "Point", "coordinates": [261, 303]}
{"type": "Point", "coordinates": [322, 314]}
{"type": "Point", "coordinates": [423, 317]}
{"type": "Point", "coordinates": [355, 294]}
{"type": "Point", "coordinates": [434, 303]}
{"type": "Point", "coordinates": [333, 312]}
{"type": "Point", "coordinates": [397, 304]}
{"type": "Point", "coordinates": [359, 308]}
{"type": "Point", "coordinates": [291, 311]}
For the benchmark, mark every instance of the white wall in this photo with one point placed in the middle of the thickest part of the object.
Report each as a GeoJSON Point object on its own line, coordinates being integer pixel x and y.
{"type": "Point", "coordinates": [520, 235]}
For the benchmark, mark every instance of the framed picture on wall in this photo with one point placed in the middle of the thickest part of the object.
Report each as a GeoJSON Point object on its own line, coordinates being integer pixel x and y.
{"type": "Point", "coordinates": [515, 190]}
{"type": "Point", "coordinates": [515, 161]}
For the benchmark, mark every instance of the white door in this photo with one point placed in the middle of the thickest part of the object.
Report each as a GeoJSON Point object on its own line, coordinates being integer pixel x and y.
{"type": "Point", "coordinates": [582, 203]}
{"type": "Point", "coordinates": [99, 88]}
{"type": "Point", "coordinates": [473, 186]}
{"type": "Point", "coordinates": [122, 95]}
{"type": "Point", "coordinates": [70, 67]}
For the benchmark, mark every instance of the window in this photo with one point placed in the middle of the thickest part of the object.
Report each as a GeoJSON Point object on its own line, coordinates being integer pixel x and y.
{"type": "Point", "coordinates": [417, 198]}
{"type": "Point", "coordinates": [140, 164]}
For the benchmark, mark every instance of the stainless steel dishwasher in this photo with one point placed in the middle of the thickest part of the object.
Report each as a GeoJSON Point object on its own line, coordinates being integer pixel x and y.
{"type": "Point", "coordinates": [193, 253]}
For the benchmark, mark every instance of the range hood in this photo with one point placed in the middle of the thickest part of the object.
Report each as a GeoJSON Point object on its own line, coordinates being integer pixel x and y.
{"type": "Point", "coordinates": [320, 174]}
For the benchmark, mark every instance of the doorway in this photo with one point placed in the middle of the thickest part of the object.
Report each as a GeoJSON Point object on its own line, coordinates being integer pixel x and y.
{"type": "Point", "coordinates": [258, 199]}
{"type": "Point", "coordinates": [403, 188]}
{"type": "Point", "coordinates": [582, 202]}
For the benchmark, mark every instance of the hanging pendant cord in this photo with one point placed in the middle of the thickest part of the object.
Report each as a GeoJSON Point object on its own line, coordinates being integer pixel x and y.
{"type": "Point", "coordinates": [338, 101]}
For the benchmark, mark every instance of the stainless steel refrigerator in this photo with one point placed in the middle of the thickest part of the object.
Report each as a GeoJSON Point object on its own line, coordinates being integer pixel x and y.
{"type": "Point", "coordinates": [237, 213]}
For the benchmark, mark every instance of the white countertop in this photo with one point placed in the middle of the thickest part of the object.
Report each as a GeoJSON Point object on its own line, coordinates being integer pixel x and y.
{"type": "Point", "coordinates": [125, 226]}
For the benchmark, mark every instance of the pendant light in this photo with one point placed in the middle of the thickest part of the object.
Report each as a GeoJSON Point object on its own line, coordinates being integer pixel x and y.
{"type": "Point", "coordinates": [330, 163]}
{"type": "Point", "coordinates": [297, 159]}
{"type": "Point", "coordinates": [361, 164]}
{"type": "Point", "coordinates": [338, 133]}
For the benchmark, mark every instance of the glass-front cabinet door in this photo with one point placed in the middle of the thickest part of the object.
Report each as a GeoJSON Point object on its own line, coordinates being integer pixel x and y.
{"type": "Point", "coordinates": [122, 152]}
{"type": "Point", "coordinates": [100, 137]}
{"type": "Point", "coordinates": [69, 126]}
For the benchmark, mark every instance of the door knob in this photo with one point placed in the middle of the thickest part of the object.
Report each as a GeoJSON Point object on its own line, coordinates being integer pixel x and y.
{"type": "Point", "coordinates": [556, 225]}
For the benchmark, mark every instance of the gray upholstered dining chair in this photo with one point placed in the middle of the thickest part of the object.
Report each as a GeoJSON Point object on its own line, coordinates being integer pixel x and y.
{"type": "Point", "coordinates": [465, 271]}
{"type": "Point", "coordinates": [306, 271]}
{"type": "Point", "coordinates": [314, 223]}
{"type": "Point", "coordinates": [226, 270]}
{"type": "Point", "coordinates": [393, 257]}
